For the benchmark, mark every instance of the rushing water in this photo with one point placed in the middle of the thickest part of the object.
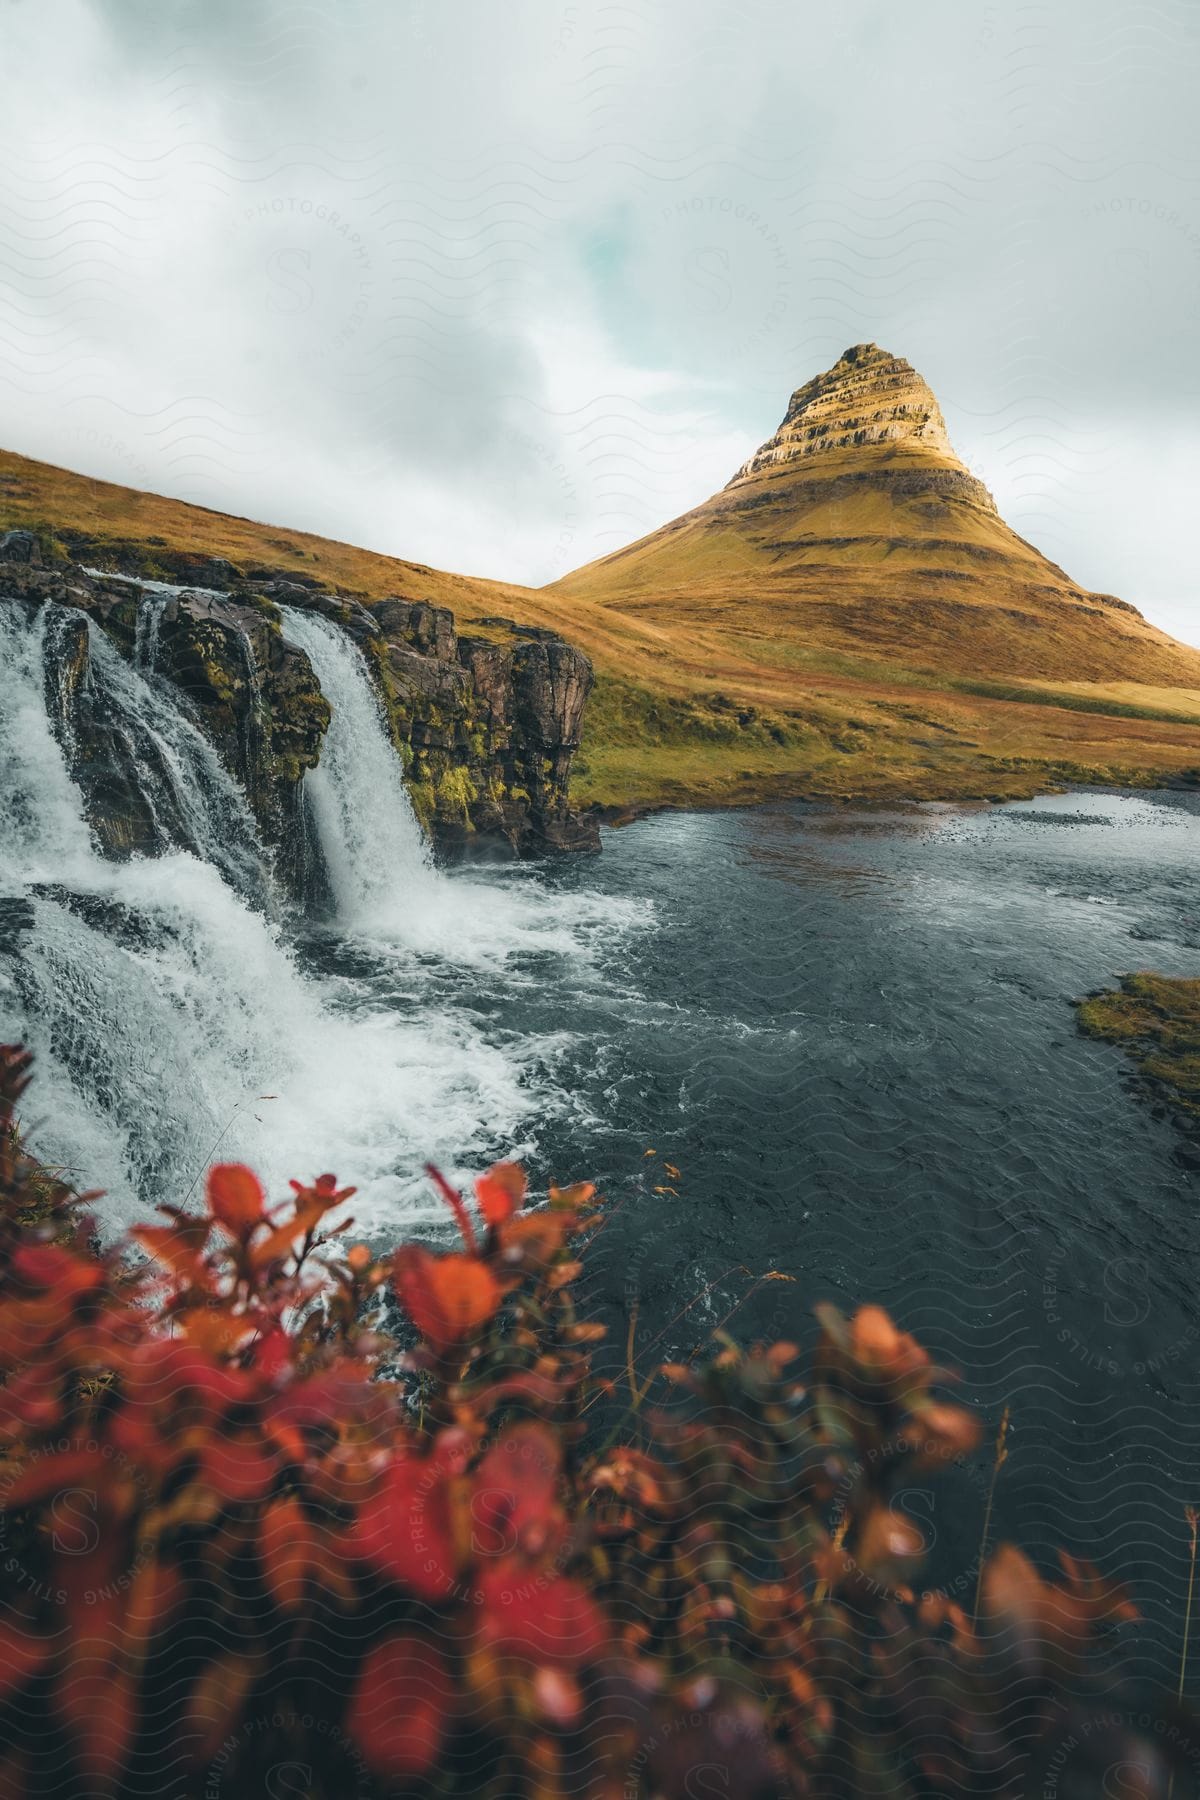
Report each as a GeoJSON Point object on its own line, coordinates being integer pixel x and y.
{"type": "Point", "coordinates": [851, 1033]}
{"type": "Point", "coordinates": [176, 1008]}
{"type": "Point", "coordinates": [846, 1038]}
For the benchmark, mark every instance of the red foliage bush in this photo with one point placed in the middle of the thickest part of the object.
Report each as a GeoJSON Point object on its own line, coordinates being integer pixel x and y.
{"type": "Point", "coordinates": [251, 1546]}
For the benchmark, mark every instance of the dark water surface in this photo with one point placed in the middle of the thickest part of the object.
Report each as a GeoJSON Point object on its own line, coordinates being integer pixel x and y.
{"type": "Point", "coordinates": [852, 1034]}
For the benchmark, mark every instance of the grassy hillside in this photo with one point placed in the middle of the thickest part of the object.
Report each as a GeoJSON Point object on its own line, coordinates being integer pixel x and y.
{"type": "Point", "coordinates": [750, 648]}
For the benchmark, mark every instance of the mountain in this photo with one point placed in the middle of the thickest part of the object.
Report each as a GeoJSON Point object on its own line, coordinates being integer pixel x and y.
{"type": "Point", "coordinates": [858, 529]}
{"type": "Point", "coordinates": [849, 616]}
{"type": "Point", "coordinates": [853, 562]}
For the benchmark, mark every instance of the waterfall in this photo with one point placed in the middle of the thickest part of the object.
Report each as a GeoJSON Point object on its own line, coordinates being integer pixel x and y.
{"type": "Point", "coordinates": [169, 1015]}
{"type": "Point", "coordinates": [147, 629]}
{"type": "Point", "coordinates": [373, 848]}
{"type": "Point", "coordinates": [134, 982]}
{"type": "Point", "coordinates": [40, 818]}
{"type": "Point", "coordinates": [381, 876]}
{"type": "Point", "coordinates": [195, 803]}
{"type": "Point", "coordinates": [178, 1012]}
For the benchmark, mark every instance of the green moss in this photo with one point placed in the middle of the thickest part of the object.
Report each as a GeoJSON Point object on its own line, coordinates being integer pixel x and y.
{"type": "Point", "coordinates": [455, 791]}
{"type": "Point", "coordinates": [623, 713]}
{"type": "Point", "coordinates": [1156, 1021]}
{"type": "Point", "coordinates": [424, 801]}
{"type": "Point", "coordinates": [49, 543]}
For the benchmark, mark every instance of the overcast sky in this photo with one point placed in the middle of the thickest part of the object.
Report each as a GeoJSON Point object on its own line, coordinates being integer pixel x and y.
{"type": "Point", "coordinates": [499, 285]}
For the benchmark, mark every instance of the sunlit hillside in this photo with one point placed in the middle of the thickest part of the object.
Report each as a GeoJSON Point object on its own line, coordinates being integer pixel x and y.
{"type": "Point", "coordinates": [849, 616]}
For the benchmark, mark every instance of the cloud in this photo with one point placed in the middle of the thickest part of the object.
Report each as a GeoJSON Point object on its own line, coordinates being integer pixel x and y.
{"type": "Point", "coordinates": [500, 287]}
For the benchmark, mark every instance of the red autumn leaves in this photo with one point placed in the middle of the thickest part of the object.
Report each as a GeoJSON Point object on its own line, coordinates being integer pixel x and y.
{"type": "Point", "coordinates": [451, 1298]}
{"type": "Point", "coordinates": [448, 1298]}
{"type": "Point", "coordinates": [218, 1477]}
{"type": "Point", "coordinates": [483, 1542]}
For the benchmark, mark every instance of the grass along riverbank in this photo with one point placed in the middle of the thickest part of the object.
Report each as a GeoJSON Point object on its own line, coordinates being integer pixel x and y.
{"type": "Point", "coordinates": [1156, 1021]}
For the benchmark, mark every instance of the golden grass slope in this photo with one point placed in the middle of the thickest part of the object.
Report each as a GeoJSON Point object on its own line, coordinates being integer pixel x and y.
{"type": "Point", "coordinates": [849, 617]}
{"type": "Point", "coordinates": [855, 576]}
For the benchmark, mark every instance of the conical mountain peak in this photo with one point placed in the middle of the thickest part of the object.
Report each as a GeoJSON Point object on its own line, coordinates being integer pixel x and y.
{"type": "Point", "coordinates": [868, 397]}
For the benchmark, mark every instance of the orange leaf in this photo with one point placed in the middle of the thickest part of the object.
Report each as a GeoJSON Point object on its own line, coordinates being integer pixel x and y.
{"type": "Point", "coordinates": [406, 1530]}
{"type": "Point", "coordinates": [46, 1476]}
{"type": "Point", "coordinates": [515, 1501]}
{"type": "Point", "coordinates": [945, 1432]}
{"type": "Point", "coordinates": [878, 1343]}
{"type": "Point", "coordinates": [235, 1198]}
{"type": "Point", "coordinates": [555, 1622]}
{"type": "Point", "coordinates": [154, 1593]}
{"type": "Point", "coordinates": [501, 1192]}
{"type": "Point", "coordinates": [48, 1266]}
{"type": "Point", "coordinates": [285, 1549]}
{"type": "Point", "coordinates": [211, 1332]}
{"type": "Point", "coordinates": [215, 1704]}
{"type": "Point", "coordinates": [578, 1195]}
{"type": "Point", "coordinates": [448, 1298]}
{"type": "Point", "coordinates": [532, 1240]}
{"type": "Point", "coordinates": [398, 1713]}
{"type": "Point", "coordinates": [178, 1247]}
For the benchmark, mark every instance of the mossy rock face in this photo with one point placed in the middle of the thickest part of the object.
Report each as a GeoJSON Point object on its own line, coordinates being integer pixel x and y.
{"type": "Point", "coordinates": [1156, 1021]}
{"type": "Point", "coordinates": [252, 693]}
{"type": "Point", "coordinates": [487, 730]}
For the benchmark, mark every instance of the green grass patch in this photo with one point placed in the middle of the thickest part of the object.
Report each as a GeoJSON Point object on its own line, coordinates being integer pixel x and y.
{"type": "Point", "coordinates": [1156, 1021]}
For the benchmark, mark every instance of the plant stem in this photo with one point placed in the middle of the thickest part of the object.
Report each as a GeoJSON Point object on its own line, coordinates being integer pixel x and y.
{"type": "Point", "coordinates": [1193, 1519]}
{"type": "Point", "coordinates": [629, 1359]}
{"type": "Point", "coordinates": [1001, 1458]}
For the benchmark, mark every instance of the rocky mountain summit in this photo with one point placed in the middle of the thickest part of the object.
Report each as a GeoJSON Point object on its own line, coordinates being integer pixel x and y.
{"type": "Point", "coordinates": [867, 397]}
{"type": "Point", "coordinates": [855, 530]}
{"type": "Point", "coordinates": [487, 727]}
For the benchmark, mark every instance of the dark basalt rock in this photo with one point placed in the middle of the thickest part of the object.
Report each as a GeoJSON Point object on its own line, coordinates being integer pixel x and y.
{"type": "Point", "coordinates": [20, 547]}
{"type": "Point", "coordinates": [256, 696]}
{"type": "Point", "coordinates": [103, 761]}
{"type": "Point", "coordinates": [252, 693]}
{"type": "Point", "coordinates": [487, 727]}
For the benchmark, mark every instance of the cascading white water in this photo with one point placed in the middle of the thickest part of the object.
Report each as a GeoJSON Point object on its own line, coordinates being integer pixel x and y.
{"type": "Point", "coordinates": [373, 847]}
{"type": "Point", "coordinates": [168, 1012]}
{"type": "Point", "coordinates": [197, 804]}
{"type": "Point", "coordinates": [384, 883]}
{"type": "Point", "coordinates": [129, 979]}
{"type": "Point", "coordinates": [147, 630]}
{"type": "Point", "coordinates": [162, 1006]}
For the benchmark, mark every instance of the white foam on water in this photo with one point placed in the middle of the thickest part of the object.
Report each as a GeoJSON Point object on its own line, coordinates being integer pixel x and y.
{"type": "Point", "coordinates": [164, 1007]}
{"type": "Point", "coordinates": [384, 882]}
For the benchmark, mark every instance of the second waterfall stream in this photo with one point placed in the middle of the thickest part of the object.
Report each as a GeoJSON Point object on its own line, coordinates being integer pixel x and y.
{"type": "Point", "coordinates": [180, 1012]}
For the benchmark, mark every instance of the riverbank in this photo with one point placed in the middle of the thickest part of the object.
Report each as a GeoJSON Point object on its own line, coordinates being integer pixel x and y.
{"type": "Point", "coordinates": [858, 740]}
{"type": "Point", "coordinates": [633, 787]}
{"type": "Point", "coordinates": [1156, 1020]}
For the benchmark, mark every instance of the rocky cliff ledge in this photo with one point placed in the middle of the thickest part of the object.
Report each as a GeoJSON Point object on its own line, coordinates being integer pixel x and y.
{"type": "Point", "coordinates": [487, 726]}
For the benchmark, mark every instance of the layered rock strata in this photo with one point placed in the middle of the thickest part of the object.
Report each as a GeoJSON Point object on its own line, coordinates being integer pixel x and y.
{"type": "Point", "coordinates": [487, 728]}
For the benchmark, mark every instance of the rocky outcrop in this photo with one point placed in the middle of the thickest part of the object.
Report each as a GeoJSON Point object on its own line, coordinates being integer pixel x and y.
{"type": "Point", "coordinates": [487, 727]}
{"type": "Point", "coordinates": [252, 693]}
{"type": "Point", "coordinates": [867, 397]}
